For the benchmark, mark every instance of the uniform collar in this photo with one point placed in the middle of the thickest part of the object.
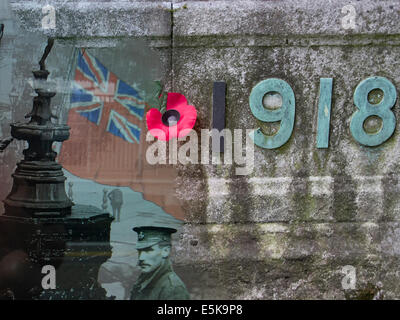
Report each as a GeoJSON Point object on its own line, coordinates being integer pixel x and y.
{"type": "Point", "coordinates": [145, 280]}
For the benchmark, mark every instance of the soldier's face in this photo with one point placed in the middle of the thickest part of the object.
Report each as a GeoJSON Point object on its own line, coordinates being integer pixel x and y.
{"type": "Point", "coordinates": [151, 258]}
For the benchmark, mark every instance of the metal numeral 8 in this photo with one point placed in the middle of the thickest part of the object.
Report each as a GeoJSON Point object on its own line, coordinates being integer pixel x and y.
{"type": "Point", "coordinates": [381, 110]}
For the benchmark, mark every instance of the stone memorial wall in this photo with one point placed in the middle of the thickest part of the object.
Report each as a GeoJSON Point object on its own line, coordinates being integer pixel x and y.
{"type": "Point", "coordinates": [299, 220]}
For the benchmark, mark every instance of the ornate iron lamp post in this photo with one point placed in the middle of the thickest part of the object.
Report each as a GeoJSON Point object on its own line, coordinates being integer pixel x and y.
{"type": "Point", "coordinates": [41, 226]}
{"type": "Point", "coordinates": [38, 188]}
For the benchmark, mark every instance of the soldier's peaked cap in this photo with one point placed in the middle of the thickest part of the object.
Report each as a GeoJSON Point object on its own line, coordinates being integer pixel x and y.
{"type": "Point", "coordinates": [154, 228]}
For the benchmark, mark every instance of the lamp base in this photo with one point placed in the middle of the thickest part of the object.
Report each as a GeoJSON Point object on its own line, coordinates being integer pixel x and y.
{"type": "Point", "coordinates": [75, 245]}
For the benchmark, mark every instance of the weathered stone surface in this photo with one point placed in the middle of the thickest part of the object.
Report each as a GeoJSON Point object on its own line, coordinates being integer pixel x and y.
{"type": "Point", "coordinates": [286, 230]}
{"type": "Point", "coordinates": [336, 206]}
{"type": "Point", "coordinates": [277, 18]}
{"type": "Point", "coordinates": [98, 19]}
{"type": "Point", "coordinates": [298, 180]}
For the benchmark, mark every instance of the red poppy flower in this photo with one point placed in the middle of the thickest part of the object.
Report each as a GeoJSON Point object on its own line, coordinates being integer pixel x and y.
{"type": "Point", "coordinates": [177, 121]}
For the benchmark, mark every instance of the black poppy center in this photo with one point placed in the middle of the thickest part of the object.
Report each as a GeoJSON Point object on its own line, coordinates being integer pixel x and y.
{"type": "Point", "coordinates": [170, 117]}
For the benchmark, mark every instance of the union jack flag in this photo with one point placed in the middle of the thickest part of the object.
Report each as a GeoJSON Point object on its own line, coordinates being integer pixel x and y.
{"type": "Point", "coordinates": [102, 98]}
{"type": "Point", "coordinates": [106, 116]}
{"type": "Point", "coordinates": [107, 141]}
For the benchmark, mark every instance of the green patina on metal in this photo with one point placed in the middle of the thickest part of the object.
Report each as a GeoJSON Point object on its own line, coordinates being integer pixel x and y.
{"type": "Point", "coordinates": [367, 109]}
{"type": "Point", "coordinates": [285, 114]}
{"type": "Point", "coordinates": [324, 112]}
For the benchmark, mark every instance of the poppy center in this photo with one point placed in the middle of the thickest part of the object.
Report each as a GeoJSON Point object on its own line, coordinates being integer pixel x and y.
{"type": "Point", "coordinates": [170, 117]}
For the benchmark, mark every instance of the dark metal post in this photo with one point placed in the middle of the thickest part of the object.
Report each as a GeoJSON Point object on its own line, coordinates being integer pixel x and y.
{"type": "Point", "coordinates": [219, 92]}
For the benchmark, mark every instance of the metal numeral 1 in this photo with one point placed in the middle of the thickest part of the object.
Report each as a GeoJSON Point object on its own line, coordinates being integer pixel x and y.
{"type": "Point", "coordinates": [324, 112]}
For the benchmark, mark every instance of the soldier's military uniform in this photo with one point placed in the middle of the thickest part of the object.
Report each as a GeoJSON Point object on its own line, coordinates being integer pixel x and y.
{"type": "Point", "coordinates": [163, 283]}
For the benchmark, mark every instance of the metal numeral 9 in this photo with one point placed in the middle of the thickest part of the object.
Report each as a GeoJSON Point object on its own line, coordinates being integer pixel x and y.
{"type": "Point", "coordinates": [285, 114]}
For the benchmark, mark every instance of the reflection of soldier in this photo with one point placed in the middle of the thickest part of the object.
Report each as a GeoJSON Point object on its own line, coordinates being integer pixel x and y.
{"type": "Point", "coordinates": [157, 281]}
{"type": "Point", "coordinates": [115, 197]}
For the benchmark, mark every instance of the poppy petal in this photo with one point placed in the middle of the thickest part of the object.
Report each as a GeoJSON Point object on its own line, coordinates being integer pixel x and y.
{"type": "Point", "coordinates": [187, 120]}
{"type": "Point", "coordinates": [155, 125]}
{"type": "Point", "coordinates": [175, 99]}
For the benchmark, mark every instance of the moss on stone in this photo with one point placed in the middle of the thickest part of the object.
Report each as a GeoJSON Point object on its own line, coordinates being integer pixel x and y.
{"type": "Point", "coordinates": [367, 293]}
